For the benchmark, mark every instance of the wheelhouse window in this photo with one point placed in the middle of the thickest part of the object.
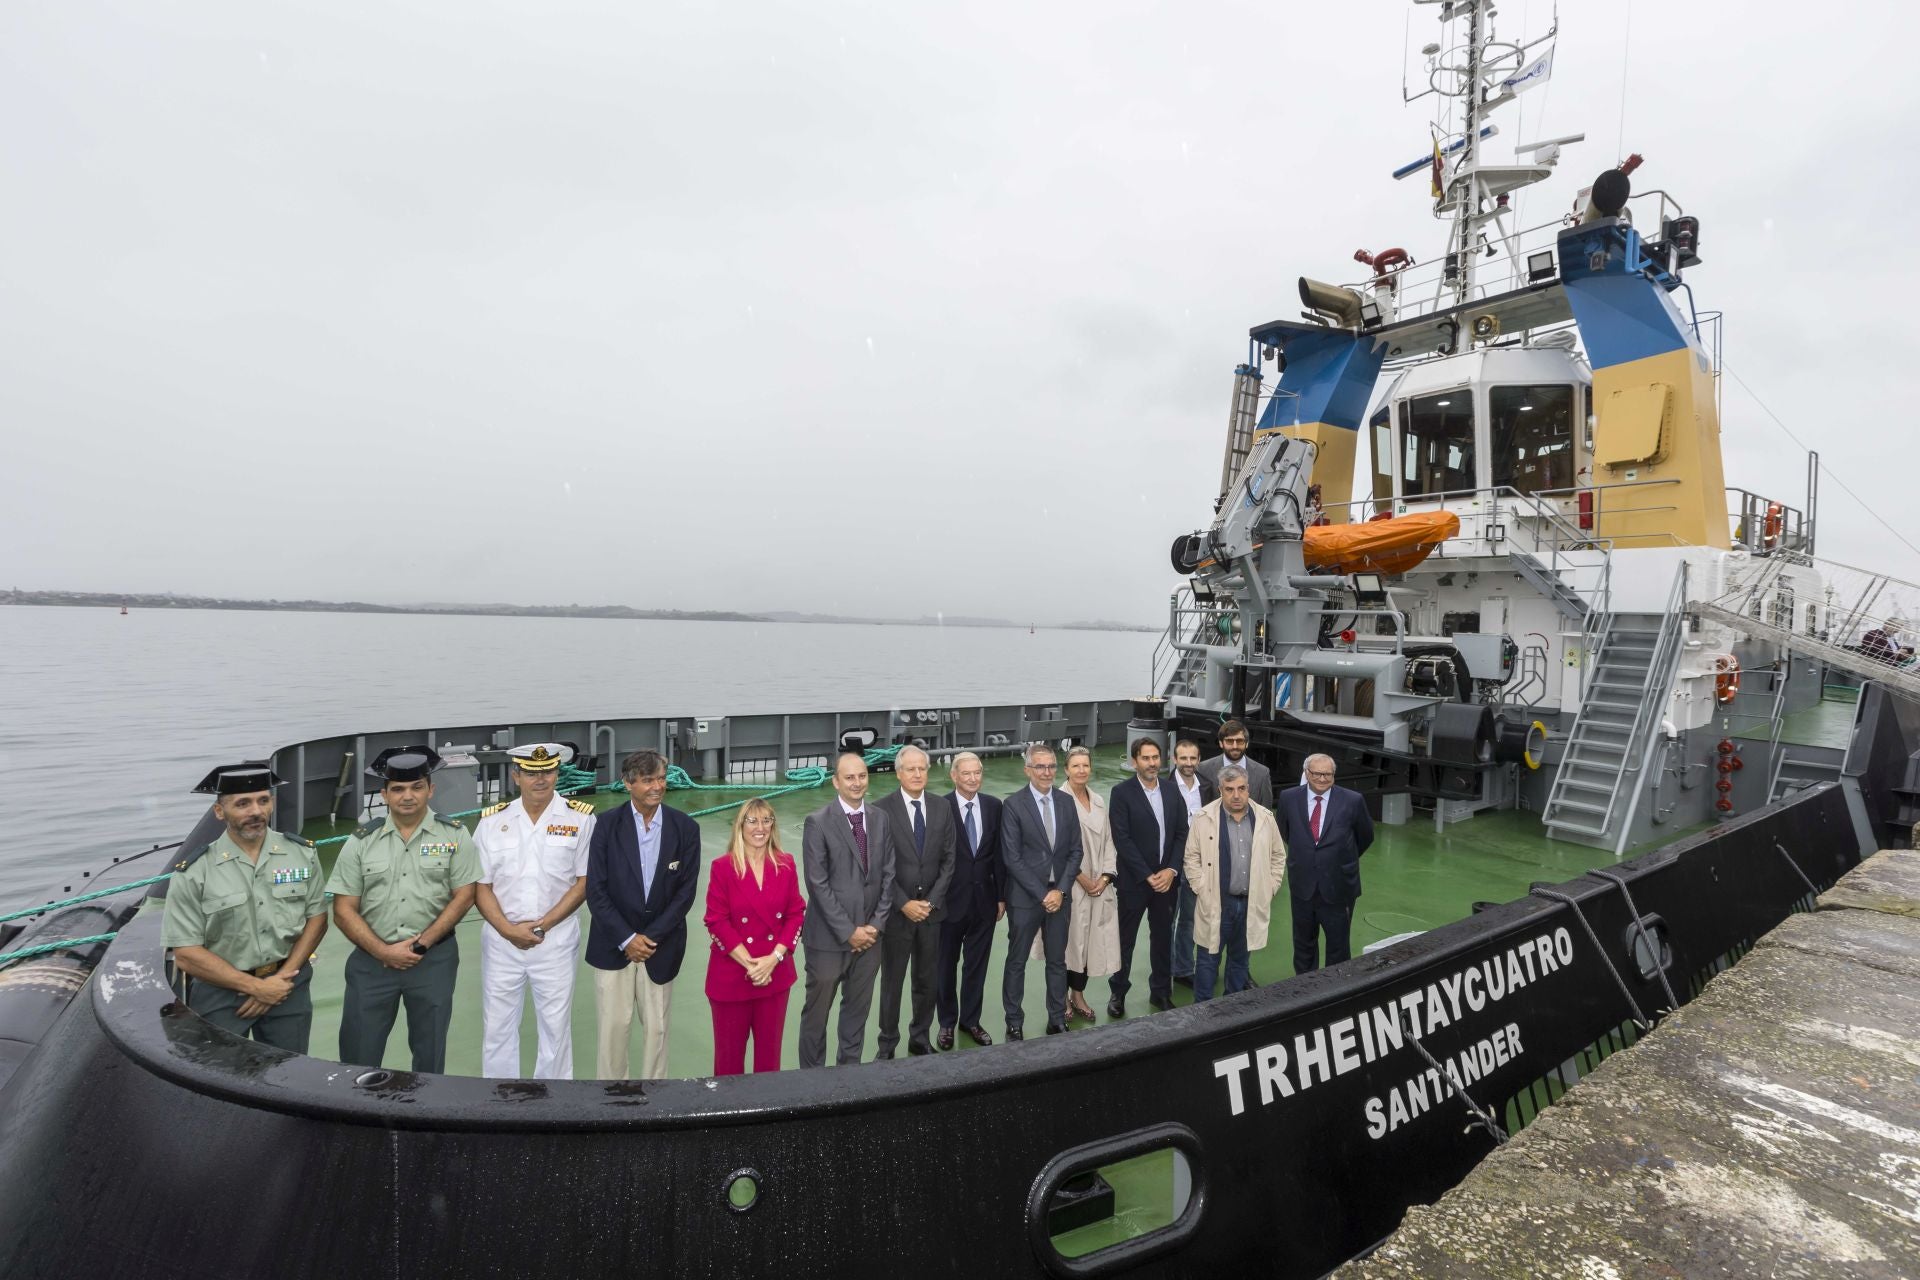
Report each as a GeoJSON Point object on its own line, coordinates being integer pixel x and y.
{"type": "Point", "coordinates": [1382, 425]}
{"type": "Point", "coordinates": [1531, 436]}
{"type": "Point", "coordinates": [1437, 444]}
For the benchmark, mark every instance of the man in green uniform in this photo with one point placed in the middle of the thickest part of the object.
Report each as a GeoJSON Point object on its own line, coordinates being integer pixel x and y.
{"type": "Point", "coordinates": [401, 885]}
{"type": "Point", "coordinates": [245, 913]}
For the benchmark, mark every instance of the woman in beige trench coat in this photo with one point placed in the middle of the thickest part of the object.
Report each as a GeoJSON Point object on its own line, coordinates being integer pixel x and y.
{"type": "Point", "coordinates": [1093, 937]}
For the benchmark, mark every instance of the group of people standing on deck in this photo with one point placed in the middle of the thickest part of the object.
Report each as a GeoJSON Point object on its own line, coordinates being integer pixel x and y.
{"type": "Point", "coordinates": [907, 892]}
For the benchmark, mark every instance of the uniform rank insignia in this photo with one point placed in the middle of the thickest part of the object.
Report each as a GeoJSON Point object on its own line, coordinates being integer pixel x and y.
{"type": "Point", "coordinates": [292, 875]}
{"type": "Point", "coordinates": [562, 829]}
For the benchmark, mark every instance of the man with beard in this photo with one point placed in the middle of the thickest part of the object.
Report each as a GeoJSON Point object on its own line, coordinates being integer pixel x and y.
{"type": "Point", "coordinates": [244, 914]}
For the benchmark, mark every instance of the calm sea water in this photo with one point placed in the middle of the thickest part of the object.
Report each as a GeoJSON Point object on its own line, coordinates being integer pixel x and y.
{"type": "Point", "coordinates": [107, 721]}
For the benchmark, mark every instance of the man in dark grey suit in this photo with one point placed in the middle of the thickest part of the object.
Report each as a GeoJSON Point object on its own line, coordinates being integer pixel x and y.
{"type": "Point", "coordinates": [849, 871]}
{"type": "Point", "coordinates": [1233, 751]}
{"type": "Point", "coordinates": [922, 827]}
{"type": "Point", "coordinates": [1326, 829]}
{"type": "Point", "coordinates": [1040, 856]}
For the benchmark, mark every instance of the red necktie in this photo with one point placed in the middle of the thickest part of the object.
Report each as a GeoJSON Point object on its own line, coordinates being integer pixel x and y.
{"type": "Point", "coordinates": [1313, 824]}
{"type": "Point", "coordinates": [859, 821]}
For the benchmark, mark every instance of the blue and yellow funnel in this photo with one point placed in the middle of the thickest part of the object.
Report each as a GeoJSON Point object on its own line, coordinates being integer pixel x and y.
{"type": "Point", "coordinates": [1656, 427]}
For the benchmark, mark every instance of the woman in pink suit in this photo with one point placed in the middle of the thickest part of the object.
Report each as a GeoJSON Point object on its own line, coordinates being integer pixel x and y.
{"type": "Point", "coordinates": [754, 909]}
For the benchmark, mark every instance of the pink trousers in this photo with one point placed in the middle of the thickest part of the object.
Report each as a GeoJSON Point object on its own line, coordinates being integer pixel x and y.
{"type": "Point", "coordinates": [765, 1018]}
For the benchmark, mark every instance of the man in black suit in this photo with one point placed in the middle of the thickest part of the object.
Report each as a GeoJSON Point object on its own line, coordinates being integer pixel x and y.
{"type": "Point", "coordinates": [847, 850]}
{"type": "Point", "coordinates": [643, 866]}
{"type": "Point", "coordinates": [1326, 828]}
{"type": "Point", "coordinates": [922, 827]}
{"type": "Point", "coordinates": [975, 902]}
{"type": "Point", "coordinates": [1148, 822]}
{"type": "Point", "coordinates": [1196, 790]}
{"type": "Point", "coordinates": [1040, 856]}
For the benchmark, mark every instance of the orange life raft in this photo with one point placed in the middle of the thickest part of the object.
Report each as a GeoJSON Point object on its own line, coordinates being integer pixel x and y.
{"type": "Point", "coordinates": [1379, 546]}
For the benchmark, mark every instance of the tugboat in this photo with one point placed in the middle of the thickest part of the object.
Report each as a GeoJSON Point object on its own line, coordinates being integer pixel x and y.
{"type": "Point", "coordinates": [1545, 549]}
{"type": "Point", "coordinates": [1544, 634]}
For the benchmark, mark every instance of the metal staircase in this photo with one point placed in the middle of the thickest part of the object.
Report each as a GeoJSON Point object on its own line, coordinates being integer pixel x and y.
{"type": "Point", "coordinates": [1176, 671]}
{"type": "Point", "coordinates": [1633, 660]}
{"type": "Point", "coordinates": [1550, 583]}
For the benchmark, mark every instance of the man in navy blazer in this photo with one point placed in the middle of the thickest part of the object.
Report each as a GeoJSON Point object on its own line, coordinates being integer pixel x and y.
{"type": "Point", "coordinates": [1326, 828]}
{"type": "Point", "coordinates": [1148, 821]}
{"type": "Point", "coordinates": [642, 869]}
{"type": "Point", "coordinates": [975, 903]}
{"type": "Point", "coordinates": [1040, 856]}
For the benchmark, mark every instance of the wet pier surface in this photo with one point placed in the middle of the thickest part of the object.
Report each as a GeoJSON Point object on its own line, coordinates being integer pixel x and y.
{"type": "Point", "coordinates": [1769, 1128]}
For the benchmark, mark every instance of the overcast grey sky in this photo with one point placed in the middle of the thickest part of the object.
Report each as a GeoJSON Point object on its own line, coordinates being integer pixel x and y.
{"type": "Point", "coordinates": [865, 308]}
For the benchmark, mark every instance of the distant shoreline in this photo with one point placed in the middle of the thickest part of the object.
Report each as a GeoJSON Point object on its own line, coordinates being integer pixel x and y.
{"type": "Point", "coordinates": [169, 600]}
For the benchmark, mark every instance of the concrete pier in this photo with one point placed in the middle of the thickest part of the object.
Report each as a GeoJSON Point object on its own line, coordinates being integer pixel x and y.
{"type": "Point", "coordinates": [1769, 1128]}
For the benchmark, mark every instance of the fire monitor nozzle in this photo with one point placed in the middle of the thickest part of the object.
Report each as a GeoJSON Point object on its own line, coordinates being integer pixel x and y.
{"type": "Point", "coordinates": [1340, 305]}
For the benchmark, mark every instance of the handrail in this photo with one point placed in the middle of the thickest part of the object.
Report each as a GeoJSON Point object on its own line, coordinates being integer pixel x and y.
{"type": "Point", "coordinates": [1666, 649]}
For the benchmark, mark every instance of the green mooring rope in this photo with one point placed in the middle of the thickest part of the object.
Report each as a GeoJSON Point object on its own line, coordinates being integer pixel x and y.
{"type": "Point", "coordinates": [9, 957]}
{"type": "Point", "coordinates": [85, 897]}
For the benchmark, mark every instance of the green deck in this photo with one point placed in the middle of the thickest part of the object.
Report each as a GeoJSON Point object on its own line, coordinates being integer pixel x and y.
{"type": "Point", "coordinates": [1414, 879]}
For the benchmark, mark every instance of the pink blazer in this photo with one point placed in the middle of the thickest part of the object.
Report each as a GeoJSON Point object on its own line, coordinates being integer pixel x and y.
{"type": "Point", "coordinates": [760, 916]}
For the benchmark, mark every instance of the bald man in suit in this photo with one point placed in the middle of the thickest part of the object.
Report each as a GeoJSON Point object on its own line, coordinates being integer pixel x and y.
{"type": "Point", "coordinates": [848, 855]}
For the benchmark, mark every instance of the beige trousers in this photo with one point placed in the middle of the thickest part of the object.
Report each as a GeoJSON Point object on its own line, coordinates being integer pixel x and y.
{"type": "Point", "coordinates": [620, 994]}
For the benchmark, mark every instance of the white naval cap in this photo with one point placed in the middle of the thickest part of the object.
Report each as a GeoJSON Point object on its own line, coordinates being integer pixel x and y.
{"type": "Point", "coordinates": [540, 757]}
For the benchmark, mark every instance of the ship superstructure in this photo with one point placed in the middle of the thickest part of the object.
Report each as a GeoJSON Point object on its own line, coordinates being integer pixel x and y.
{"type": "Point", "coordinates": [1601, 613]}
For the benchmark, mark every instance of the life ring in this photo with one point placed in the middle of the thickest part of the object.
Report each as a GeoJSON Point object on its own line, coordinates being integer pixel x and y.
{"type": "Point", "coordinates": [1727, 684]}
{"type": "Point", "coordinates": [1776, 520]}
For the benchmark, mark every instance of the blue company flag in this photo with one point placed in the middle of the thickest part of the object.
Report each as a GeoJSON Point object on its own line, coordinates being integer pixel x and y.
{"type": "Point", "coordinates": [1282, 689]}
{"type": "Point", "coordinates": [1534, 73]}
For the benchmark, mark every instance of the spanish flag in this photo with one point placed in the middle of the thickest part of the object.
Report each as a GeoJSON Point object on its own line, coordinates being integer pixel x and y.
{"type": "Point", "coordinates": [1439, 171]}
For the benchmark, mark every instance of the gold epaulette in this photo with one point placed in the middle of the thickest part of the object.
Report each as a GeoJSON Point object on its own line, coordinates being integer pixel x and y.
{"type": "Point", "coordinates": [191, 856]}
{"type": "Point", "coordinates": [493, 809]}
{"type": "Point", "coordinates": [579, 806]}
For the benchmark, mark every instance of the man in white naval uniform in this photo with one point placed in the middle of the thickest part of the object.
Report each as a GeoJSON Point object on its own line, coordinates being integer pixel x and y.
{"type": "Point", "coordinates": [533, 878]}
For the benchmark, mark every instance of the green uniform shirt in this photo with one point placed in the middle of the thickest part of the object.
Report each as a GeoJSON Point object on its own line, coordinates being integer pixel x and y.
{"type": "Point", "coordinates": [404, 885]}
{"type": "Point", "coordinates": [248, 913]}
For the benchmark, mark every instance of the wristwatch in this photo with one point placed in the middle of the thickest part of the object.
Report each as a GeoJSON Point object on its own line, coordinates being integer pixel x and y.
{"type": "Point", "coordinates": [418, 947]}
{"type": "Point", "coordinates": [540, 932]}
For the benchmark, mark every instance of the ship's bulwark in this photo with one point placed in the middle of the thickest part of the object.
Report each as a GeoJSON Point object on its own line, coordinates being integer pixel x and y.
{"type": "Point", "coordinates": [140, 1142]}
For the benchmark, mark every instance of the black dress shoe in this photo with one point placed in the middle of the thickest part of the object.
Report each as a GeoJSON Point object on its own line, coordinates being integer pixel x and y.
{"type": "Point", "coordinates": [919, 1048]}
{"type": "Point", "coordinates": [978, 1034]}
{"type": "Point", "coordinates": [1160, 1004]}
{"type": "Point", "coordinates": [1054, 1028]}
{"type": "Point", "coordinates": [1184, 979]}
{"type": "Point", "coordinates": [1116, 1008]}
{"type": "Point", "coordinates": [883, 1055]}
{"type": "Point", "coordinates": [1014, 1033]}
{"type": "Point", "coordinates": [945, 1039]}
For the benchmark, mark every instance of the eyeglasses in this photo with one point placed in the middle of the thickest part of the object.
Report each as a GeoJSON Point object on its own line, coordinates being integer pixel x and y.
{"type": "Point", "coordinates": [1319, 773]}
{"type": "Point", "coordinates": [1043, 768]}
